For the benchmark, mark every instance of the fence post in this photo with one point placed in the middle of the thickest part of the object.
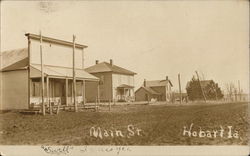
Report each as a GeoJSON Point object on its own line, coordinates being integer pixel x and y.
{"type": "Point", "coordinates": [95, 103]}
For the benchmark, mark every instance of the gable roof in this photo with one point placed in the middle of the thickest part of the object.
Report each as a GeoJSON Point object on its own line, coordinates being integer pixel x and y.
{"type": "Point", "coordinates": [158, 83]}
{"type": "Point", "coordinates": [125, 86]}
{"type": "Point", "coordinates": [22, 64]}
{"type": "Point", "coordinates": [204, 83]}
{"type": "Point", "coordinates": [14, 59]}
{"type": "Point", "coordinates": [149, 90]}
{"type": "Point", "coordinates": [106, 67]}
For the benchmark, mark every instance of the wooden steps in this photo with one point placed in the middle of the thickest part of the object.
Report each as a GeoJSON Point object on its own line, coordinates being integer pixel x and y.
{"type": "Point", "coordinates": [81, 107]}
{"type": "Point", "coordinates": [37, 110]}
{"type": "Point", "coordinates": [30, 111]}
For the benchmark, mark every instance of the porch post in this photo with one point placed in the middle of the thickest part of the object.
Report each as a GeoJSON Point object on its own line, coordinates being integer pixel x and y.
{"type": "Point", "coordinates": [48, 97]}
{"type": "Point", "coordinates": [29, 79]}
{"type": "Point", "coordinates": [71, 101]}
{"type": "Point", "coordinates": [83, 91]}
{"type": "Point", "coordinates": [66, 91]}
{"type": "Point", "coordinates": [74, 75]}
{"type": "Point", "coordinates": [98, 93]}
{"type": "Point", "coordinates": [133, 92]}
{"type": "Point", "coordinates": [30, 92]}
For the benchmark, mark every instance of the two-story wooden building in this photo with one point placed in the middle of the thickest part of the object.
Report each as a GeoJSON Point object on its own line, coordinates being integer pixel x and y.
{"type": "Point", "coordinates": [21, 86]}
{"type": "Point", "coordinates": [116, 83]}
{"type": "Point", "coordinates": [155, 89]}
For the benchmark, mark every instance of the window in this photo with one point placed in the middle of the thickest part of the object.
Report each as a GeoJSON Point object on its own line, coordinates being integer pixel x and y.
{"type": "Point", "coordinates": [102, 80]}
{"type": "Point", "coordinates": [128, 80]}
{"type": "Point", "coordinates": [119, 79]}
{"type": "Point", "coordinates": [35, 89]}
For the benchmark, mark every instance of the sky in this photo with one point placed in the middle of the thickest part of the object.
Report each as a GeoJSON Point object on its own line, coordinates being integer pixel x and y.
{"type": "Point", "coordinates": [155, 39]}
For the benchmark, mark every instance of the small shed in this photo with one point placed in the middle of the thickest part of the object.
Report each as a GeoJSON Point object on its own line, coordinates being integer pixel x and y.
{"type": "Point", "coordinates": [146, 94]}
{"type": "Point", "coordinates": [159, 90]}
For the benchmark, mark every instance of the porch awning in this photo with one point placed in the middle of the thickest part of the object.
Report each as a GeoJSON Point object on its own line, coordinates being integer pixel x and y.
{"type": "Point", "coordinates": [125, 86]}
{"type": "Point", "coordinates": [60, 72]}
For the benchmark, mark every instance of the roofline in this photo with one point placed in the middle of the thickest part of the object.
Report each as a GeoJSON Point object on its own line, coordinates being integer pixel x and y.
{"type": "Point", "coordinates": [170, 83]}
{"type": "Point", "coordinates": [66, 77]}
{"type": "Point", "coordinates": [124, 73]}
{"type": "Point", "coordinates": [146, 90]}
{"type": "Point", "coordinates": [161, 85]}
{"type": "Point", "coordinates": [111, 72]}
{"type": "Point", "coordinates": [10, 70]}
{"type": "Point", "coordinates": [53, 40]}
{"type": "Point", "coordinates": [57, 66]}
{"type": "Point", "coordinates": [138, 89]}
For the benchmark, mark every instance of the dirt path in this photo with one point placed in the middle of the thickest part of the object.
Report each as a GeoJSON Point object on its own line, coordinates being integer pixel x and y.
{"type": "Point", "coordinates": [160, 125]}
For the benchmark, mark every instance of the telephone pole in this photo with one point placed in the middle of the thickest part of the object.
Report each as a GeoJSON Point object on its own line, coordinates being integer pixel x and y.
{"type": "Point", "coordinates": [74, 75]}
{"type": "Point", "coordinates": [203, 94]}
{"type": "Point", "coordinates": [42, 74]}
{"type": "Point", "coordinates": [180, 87]}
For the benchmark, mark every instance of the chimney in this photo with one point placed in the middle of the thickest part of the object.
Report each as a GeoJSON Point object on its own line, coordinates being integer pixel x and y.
{"type": "Point", "coordinates": [111, 62]}
{"type": "Point", "coordinates": [144, 83]}
{"type": "Point", "coordinates": [96, 61]}
{"type": "Point", "coordinates": [167, 78]}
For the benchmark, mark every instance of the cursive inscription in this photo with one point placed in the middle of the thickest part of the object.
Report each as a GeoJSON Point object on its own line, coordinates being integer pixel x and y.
{"type": "Point", "coordinates": [57, 150]}
{"type": "Point", "coordinates": [112, 149]}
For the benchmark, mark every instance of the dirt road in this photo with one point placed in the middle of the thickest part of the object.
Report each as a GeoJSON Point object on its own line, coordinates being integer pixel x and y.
{"type": "Point", "coordinates": [158, 125]}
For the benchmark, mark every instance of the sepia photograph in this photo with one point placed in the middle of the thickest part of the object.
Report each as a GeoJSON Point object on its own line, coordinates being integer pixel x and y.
{"type": "Point", "coordinates": [124, 77]}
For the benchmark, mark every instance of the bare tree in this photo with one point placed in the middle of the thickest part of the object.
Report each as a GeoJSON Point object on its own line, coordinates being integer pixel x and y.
{"type": "Point", "coordinates": [231, 90]}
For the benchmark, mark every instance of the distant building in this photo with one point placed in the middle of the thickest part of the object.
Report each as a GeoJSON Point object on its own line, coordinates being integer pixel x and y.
{"type": "Point", "coordinates": [157, 89]}
{"type": "Point", "coordinates": [116, 83]}
{"type": "Point", "coordinates": [21, 74]}
{"type": "Point", "coordinates": [179, 96]}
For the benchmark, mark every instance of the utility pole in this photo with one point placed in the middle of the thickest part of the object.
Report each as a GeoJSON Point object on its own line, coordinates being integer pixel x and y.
{"type": "Point", "coordinates": [74, 75]}
{"type": "Point", "coordinates": [179, 80]}
{"type": "Point", "coordinates": [42, 74]}
{"type": "Point", "coordinates": [239, 90]}
{"type": "Point", "coordinates": [83, 58]}
{"type": "Point", "coordinates": [203, 94]}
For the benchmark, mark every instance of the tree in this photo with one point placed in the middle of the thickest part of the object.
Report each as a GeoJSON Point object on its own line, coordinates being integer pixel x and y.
{"type": "Point", "coordinates": [211, 90]}
{"type": "Point", "coordinates": [193, 90]}
{"type": "Point", "coordinates": [231, 91]}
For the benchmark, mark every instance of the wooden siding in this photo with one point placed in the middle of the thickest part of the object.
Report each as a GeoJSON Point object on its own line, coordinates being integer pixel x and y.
{"type": "Point", "coordinates": [55, 54]}
{"type": "Point", "coordinates": [119, 79]}
{"type": "Point", "coordinates": [142, 95]}
{"type": "Point", "coordinates": [105, 85]}
{"type": "Point", "coordinates": [91, 91]}
{"type": "Point", "coordinates": [15, 90]}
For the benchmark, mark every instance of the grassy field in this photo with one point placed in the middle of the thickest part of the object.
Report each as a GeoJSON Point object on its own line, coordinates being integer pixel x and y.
{"type": "Point", "coordinates": [159, 124]}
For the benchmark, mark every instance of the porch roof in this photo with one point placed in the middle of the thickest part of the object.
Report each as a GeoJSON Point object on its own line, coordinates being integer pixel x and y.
{"type": "Point", "coordinates": [60, 72]}
{"type": "Point", "coordinates": [125, 86]}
